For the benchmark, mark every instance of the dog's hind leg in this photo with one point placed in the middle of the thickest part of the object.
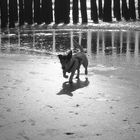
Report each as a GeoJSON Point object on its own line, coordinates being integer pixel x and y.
{"type": "Point", "coordinates": [85, 65]}
{"type": "Point", "coordinates": [86, 71]}
{"type": "Point", "coordinates": [78, 73]}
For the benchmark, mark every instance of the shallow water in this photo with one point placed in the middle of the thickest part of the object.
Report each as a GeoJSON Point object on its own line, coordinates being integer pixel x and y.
{"type": "Point", "coordinates": [100, 44]}
{"type": "Point", "coordinates": [105, 48]}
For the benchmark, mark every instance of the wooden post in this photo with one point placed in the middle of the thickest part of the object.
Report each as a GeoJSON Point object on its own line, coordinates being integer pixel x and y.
{"type": "Point", "coordinates": [100, 9]}
{"type": "Point", "coordinates": [132, 9]}
{"type": "Point", "coordinates": [139, 9]}
{"type": "Point", "coordinates": [62, 11]}
{"type": "Point", "coordinates": [75, 12]}
{"type": "Point", "coordinates": [58, 11]}
{"type": "Point", "coordinates": [117, 10]}
{"type": "Point", "coordinates": [13, 13]}
{"type": "Point", "coordinates": [47, 15]}
{"type": "Point", "coordinates": [94, 14]}
{"type": "Point", "coordinates": [107, 17]}
{"type": "Point", "coordinates": [125, 10]}
{"type": "Point", "coordinates": [83, 8]}
{"type": "Point", "coordinates": [37, 10]}
{"type": "Point", "coordinates": [21, 13]}
{"type": "Point", "coordinates": [28, 13]}
{"type": "Point", "coordinates": [66, 6]}
{"type": "Point", "coordinates": [4, 13]}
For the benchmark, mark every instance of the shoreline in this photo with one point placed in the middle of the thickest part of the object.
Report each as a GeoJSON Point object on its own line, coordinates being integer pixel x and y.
{"type": "Point", "coordinates": [122, 25]}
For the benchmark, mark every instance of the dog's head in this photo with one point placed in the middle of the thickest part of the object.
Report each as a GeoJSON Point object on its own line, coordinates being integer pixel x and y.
{"type": "Point", "coordinates": [65, 59]}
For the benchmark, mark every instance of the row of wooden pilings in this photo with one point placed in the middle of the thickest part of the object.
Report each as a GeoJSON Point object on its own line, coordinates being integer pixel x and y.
{"type": "Point", "coordinates": [58, 11]}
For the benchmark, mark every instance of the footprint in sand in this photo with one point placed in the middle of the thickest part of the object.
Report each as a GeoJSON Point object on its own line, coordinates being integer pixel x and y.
{"type": "Point", "coordinates": [1, 126]}
{"type": "Point", "coordinates": [49, 132]}
{"type": "Point", "coordinates": [125, 120]}
{"type": "Point", "coordinates": [49, 106]}
{"type": "Point", "coordinates": [71, 111]}
{"type": "Point", "coordinates": [22, 121]}
{"type": "Point", "coordinates": [136, 107]}
{"type": "Point", "coordinates": [23, 135]}
{"type": "Point", "coordinates": [2, 116]}
{"type": "Point", "coordinates": [32, 72]}
{"type": "Point", "coordinates": [69, 133]}
{"type": "Point", "coordinates": [8, 110]}
{"type": "Point", "coordinates": [98, 134]}
{"type": "Point", "coordinates": [17, 81]}
{"type": "Point", "coordinates": [28, 89]}
{"type": "Point", "coordinates": [32, 122]}
{"type": "Point", "coordinates": [83, 125]}
{"type": "Point", "coordinates": [77, 105]}
{"type": "Point", "coordinates": [5, 87]}
{"type": "Point", "coordinates": [76, 113]}
{"type": "Point", "coordinates": [111, 107]}
{"type": "Point", "coordinates": [1, 88]}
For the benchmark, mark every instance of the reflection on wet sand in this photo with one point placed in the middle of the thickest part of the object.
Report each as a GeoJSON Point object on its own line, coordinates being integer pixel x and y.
{"type": "Point", "coordinates": [103, 42]}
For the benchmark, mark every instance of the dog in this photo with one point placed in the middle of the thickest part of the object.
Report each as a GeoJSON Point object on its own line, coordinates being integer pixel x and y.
{"type": "Point", "coordinates": [70, 63]}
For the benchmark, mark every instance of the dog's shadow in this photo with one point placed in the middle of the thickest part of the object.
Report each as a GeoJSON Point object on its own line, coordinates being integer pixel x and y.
{"type": "Point", "coordinates": [68, 88]}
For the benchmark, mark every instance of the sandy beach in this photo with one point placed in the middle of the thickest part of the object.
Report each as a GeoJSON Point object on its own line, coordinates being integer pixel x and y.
{"type": "Point", "coordinates": [37, 103]}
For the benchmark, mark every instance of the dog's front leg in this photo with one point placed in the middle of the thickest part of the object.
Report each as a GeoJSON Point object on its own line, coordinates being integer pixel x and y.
{"type": "Point", "coordinates": [78, 72]}
{"type": "Point", "coordinates": [64, 74]}
{"type": "Point", "coordinates": [71, 76]}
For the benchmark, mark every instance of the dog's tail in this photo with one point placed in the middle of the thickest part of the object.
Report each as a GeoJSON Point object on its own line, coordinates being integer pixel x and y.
{"type": "Point", "coordinates": [77, 44]}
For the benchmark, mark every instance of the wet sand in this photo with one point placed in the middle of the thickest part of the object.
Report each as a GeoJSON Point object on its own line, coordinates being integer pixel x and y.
{"type": "Point", "coordinates": [36, 102]}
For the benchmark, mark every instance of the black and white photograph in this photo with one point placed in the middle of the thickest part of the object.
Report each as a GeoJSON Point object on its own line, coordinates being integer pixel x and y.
{"type": "Point", "coordinates": [69, 69]}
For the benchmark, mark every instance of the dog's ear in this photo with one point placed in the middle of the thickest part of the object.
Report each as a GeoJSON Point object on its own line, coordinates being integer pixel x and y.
{"type": "Point", "coordinates": [70, 55]}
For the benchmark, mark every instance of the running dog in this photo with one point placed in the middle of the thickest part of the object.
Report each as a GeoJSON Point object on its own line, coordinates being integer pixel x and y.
{"type": "Point", "coordinates": [70, 63]}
